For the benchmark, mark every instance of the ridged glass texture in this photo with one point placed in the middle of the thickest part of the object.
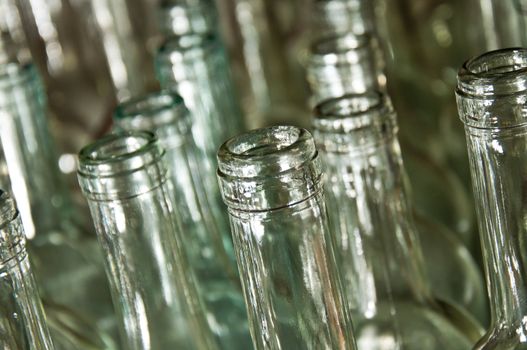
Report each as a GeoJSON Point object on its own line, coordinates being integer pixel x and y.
{"type": "Point", "coordinates": [209, 248]}
{"type": "Point", "coordinates": [123, 176]}
{"type": "Point", "coordinates": [378, 249]}
{"type": "Point", "coordinates": [270, 179]}
{"type": "Point", "coordinates": [66, 259]}
{"type": "Point", "coordinates": [491, 97]}
{"type": "Point", "coordinates": [22, 320]}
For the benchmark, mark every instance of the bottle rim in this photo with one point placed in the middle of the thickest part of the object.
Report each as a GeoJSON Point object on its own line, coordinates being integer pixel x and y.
{"type": "Point", "coordinates": [352, 112]}
{"type": "Point", "coordinates": [266, 152]}
{"type": "Point", "coordinates": [490, 83]}
{"type": "Point", "coordinates": [153, 111]}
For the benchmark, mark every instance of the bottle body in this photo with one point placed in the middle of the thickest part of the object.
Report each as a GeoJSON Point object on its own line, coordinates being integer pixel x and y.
{"type": "Point", "coordinates": [208, 248]}
{"type": "Point", "coordinates": [124, 178]}
{"type": "Point", "coordinates": [378, 248]}
{"type": "Point", "coordinates": [490, 96]}
{"type": "Point", "coordinates": [270, 180]}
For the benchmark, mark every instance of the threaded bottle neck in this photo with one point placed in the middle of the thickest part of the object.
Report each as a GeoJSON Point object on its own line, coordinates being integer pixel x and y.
{"type": "Point", "coordinates": [268, 168]}
{"type": "Point", "coordinates": [121, 166]}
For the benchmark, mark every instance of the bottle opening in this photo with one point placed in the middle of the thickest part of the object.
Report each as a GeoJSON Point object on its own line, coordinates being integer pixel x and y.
{"type": "Point", "coordinates": [492, 89]}
{"type": "Point", "coordinates": [152, 111]}
{"type": "Point", "coordinates": [266, 152]}
{"type": "Point", "coordinates": [494, 73]}
{"type": "Point", "coordinates": [121, 165]}
{"type": "Point", "coordinates": [268, 168]}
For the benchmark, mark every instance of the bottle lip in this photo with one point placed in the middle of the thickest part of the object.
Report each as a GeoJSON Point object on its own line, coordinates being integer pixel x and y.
{"type": "Point", "coordinates": [354, 122]}
{"type": "Point", "coordinates": [266, 152]}
{"type": "Point", "coordinates": [153, 111]}
{"type": "Point", "coordinates": [268, 169]}
{"type": "Point", "coordinates": [486, 82]}
{"type": "Point", "coordinates": [352, 112]}
{"type": "Point", "coordinates": [121, 165]}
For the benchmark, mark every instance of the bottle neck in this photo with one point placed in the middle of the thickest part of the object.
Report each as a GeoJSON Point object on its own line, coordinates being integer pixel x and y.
{"type": "Point", "coordinates": [19, 295]}
{"type": "Point", "coordinates": [370, 182]}
{"type": "Point", "coordinates": [27, 152]}
{"type": "Point", "coordinates": [497, 159]}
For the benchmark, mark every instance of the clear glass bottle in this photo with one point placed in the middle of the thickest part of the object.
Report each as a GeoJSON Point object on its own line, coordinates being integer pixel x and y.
{"type": "Point", "coordinates": [208, 246]}
{"type": "Point", "coordinates": [22, 320]}
{"type": "Point", "coordinates": [124, 178]}
{"type": "Point", "coordinates": [66, 259]}
{"type": "Point", "coordinates": [270, 180]}
{"type": "Point", "coordinates": [378, 248]}
{"type": "Point", "coordinates": [179, 17]}
{"type": "Point", "coordinates": [491, 95]}
{"type": "Point", "coordinates": [330, 17]}
{"type": "Point", "coordinates": [195, 66]}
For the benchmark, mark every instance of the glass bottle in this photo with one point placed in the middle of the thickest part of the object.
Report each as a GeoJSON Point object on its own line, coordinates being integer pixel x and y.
{"type": "Point", "coordinates": [330, 17]}
{"type": "Point", "coordinates": [67, 260]}
{"type": "Point", "coordinates": [347, 63]}
{"type": "Point", "coordinates": [195, 66]}
{"type": "Point", "coordinates": [491, 95]}
{"type": "Point", "coordinates": [208, 246]}
{"type": "Point", "coordinates": [179, 17]}
{"type": "Point", "coordinates": [23, 322]}
{"type": "Point", "coordinates": [270, 180]}
{"type": "Point", "coordinates": [123, 176]}
{"type": "Point", "coordinates": [378, 249]}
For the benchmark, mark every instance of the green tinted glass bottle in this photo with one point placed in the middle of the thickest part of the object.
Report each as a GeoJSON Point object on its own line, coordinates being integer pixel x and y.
{"type": "Point", "coordinates": [22, 321]}
{"type": "Point", "coordinates": [208, 246]}
{"type": "Point", "coordinates": [270, 180]}
{"type": "Point", "coordinates": [491, 95]}
{"type": "Point", "coordinates": [67, 259]}
{"type": "Point", "coordinates": [378, 250]}
{"type": "Point", "coordinates": [124, 178]}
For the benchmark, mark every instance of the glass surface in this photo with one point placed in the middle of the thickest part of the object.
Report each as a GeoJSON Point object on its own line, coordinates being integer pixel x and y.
{"type": "Point", "coordinates": [491, 96]}
{"type": "Point", "coordinates": [196, 67]}
{"type": "Point", "coordinates": [378, 247]}
{"type": "Point", "coordinates": [123, 176]}
{"type": "Point", "coordinates": [208, 246]}
{"type": "Point", "coordinates": [67, 260]}
{"type": "Point", "coordinates": [270, 180]}
{"type": "Point", "coordinates": [22, 321]}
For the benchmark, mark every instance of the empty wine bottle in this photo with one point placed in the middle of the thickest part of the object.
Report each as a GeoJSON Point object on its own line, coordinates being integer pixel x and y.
{"type": "Point", "coordinates": [208, 246]}
{"type": "Point", "coordinates": [270, 180]}
{"type": "Point", "coordinates": [124, 178]}
{"type": "Point", "coordinates": [491, 95]}
{"type": "Point", "coordinates": [66, 259]}
{"type": "Point", "coordinates": [23, 322]}
{"type": "Point", "coordinates": [378, 250]}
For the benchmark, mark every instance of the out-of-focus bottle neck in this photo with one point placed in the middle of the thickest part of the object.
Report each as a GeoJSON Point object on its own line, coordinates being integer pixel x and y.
{"type": "Point", "coordinates": [491, 96]}
{"type": "Point", "coordinates": [27, 153]}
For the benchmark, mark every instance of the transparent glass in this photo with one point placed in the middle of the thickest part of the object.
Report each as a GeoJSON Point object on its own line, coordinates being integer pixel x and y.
{"type": "Point", "coordinates": [67, 260]}
{"type": "Point", "coordinates": [332, 17]}
{"type": "Point", "coordinates": [179, 17]}
{"type": "Point", "coordinates": [22, 322]}
{"type": "Point", "coordinates": [196, 67]}
{"type": "Point", "coordinates": [344, 63]}
{"type": "Point", "coordinates": [123, 176]}
{"type": "Point", "coordinates": [270, 180]}
{"type": "Point", "coordinates": [208, 246]}
{"type": "Point", "coordinates": [378, 247]}
{"type": "Point", "coordinates": [491, 94]}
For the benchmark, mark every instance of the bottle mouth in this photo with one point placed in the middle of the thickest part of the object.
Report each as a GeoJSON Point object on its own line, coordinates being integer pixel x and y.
{"type": "Point", "coordinates": [153, 111]}
{"type": "Point", "coordinates": [121, 165]}
{"type": "Point", "coordinates": [268, 168]}
{"type": "Point", "coordinates": [354, 120]}
{"type": "Point", "coordinates": [490, 81]}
